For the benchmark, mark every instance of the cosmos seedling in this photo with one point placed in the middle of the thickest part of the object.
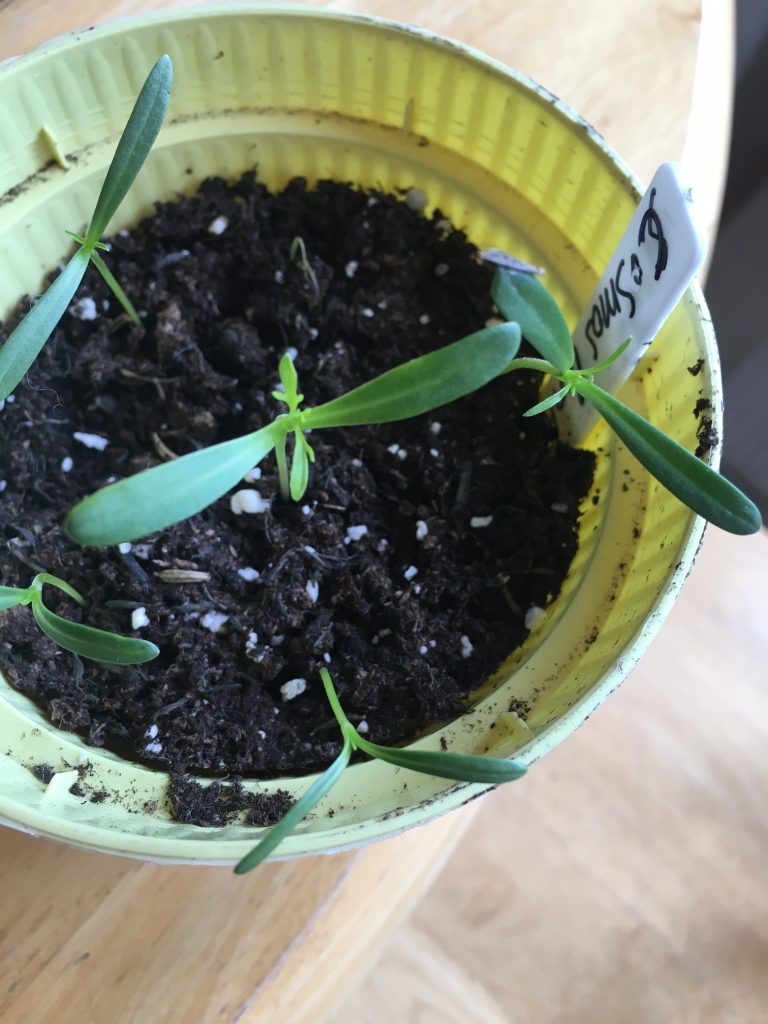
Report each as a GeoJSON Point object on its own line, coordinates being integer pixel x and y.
{"type": "Point", "coordinates": [303, 452]}
{"type": "Point", "coordinates": [95, 644]}
{"type": "Point", "coordinates": [166, 494]}
{"type": "Point", "coordinates": [298, 247]}
{"type": "Point", "coordinates": [25, 342]}
{"type": "Point", "coordinates": [520, 297]}
{"type": "Point", "coordinates": [489, 771]}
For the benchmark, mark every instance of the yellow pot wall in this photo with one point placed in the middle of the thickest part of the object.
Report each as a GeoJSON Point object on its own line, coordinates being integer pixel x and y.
{"type": "Point", "coordinates": [301, 93]}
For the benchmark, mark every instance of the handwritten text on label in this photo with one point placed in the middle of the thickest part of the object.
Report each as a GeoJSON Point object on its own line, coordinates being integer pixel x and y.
{"type": "Point", "coordinates": [653, 264]}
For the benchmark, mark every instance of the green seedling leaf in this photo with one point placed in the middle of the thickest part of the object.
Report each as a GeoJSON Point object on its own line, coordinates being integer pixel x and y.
{"type": "Point", "coordinates": [605, 363]}
{"type": "Point", "coordinates": [297, 247]}
{"type": "Point", "coordinates": [295, 486]}
{"type": "Point", "coordinates": [11, 596]}
{"type": "Point", "coordinates": [525, 300]}
{"type": "Point", "coordinates": [687, 477]}
{"type": "Point", "coordinates": [487, 770]}
{"type": "Point", "coordinates": [95, 644]}
{"type": "Point", "coordinates": [299, 811]}
{"type": "Point", "coordinates": [86, 641]}
{"type": "Point", "coordinates": [338, 712]}
{"type": "Point", "coordinates": [548, 402]}
{"type": "Point", "coordinates": [115, 287]}
{"type": "Point", "coordinates": [133, 148]}
{"type": "Point", "coordinates": [46, 577]}
{"type": "Point", "coordinates": [282, 466]}
{"type": "Point", "coordinates": [299, 470]}
{"type": "Point", "coordinates": [424, 383]}
{"type": "Point", "coordinates": [81, 240]}
{"type": "Point", "coordinates": [459, 767]}
{"type": "Point", "coordinates": [290, 381]}
{"type": "Point", "coordinates": [529, 363]}
{"type": "Point", "coordinates": [23, 346]}
{"type": "Point", "coordinates": [166, 494]}
{"type": "Point", "coordinates": [25, 342]}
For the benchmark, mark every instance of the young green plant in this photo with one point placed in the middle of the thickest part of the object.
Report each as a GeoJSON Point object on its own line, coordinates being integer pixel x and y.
{"type": "Point", "coordinates": [166, 494]}
{"type": "Point", "coordinates": [96, 644]}
{"type": "Point", "coordinates": [489, 771]}
{"type": "Point", "coordinates": [27, 339]}
{"type": "Point", "coordinates": [522, 298]}
{"type": "Point", "coordinates": [298, 248]}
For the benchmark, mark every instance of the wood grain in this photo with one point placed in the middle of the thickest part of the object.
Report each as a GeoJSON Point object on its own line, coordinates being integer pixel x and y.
{"type": "Point", "coordinates": [623, 884]}
{"type": "Point", "coordinates": [88, 939]}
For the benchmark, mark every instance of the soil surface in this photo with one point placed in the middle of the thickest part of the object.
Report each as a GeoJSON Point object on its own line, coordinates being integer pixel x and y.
{"type": "Point", "coordinates": [410, 564]}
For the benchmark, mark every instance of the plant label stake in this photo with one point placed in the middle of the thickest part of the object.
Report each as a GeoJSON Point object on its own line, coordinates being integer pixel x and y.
{"type": "Point", "coordinates": [652, 266]}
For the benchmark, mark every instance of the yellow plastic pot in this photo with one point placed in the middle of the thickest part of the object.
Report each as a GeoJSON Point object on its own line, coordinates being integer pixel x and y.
{"type": "Point", "coordinates": [302, 93]}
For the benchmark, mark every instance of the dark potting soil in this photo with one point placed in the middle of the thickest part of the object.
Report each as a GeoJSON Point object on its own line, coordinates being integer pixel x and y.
{"type": "Point", "coordinates": [409, 565]}
{"type": "Point", "coordinates": [219, 803]}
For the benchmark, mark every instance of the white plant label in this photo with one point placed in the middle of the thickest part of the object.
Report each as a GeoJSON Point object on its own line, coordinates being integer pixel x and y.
{"type": "Point", "coordinates": [652, 266]}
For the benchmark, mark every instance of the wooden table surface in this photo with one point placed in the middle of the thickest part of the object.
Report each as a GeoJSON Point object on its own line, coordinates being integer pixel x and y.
{"type": "Point", "coordinates": [626, 880]}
